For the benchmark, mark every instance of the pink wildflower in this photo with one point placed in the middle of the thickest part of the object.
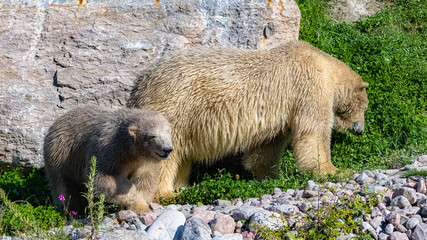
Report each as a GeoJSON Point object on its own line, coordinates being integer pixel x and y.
{"type": "Point", "coordinates": [73, 213]}
{"type": "Point", "coordinates": [62, 198]}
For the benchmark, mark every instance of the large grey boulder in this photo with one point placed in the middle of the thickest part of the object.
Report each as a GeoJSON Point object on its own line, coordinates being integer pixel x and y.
{"type": "Point", "coordinates": [56, 54]}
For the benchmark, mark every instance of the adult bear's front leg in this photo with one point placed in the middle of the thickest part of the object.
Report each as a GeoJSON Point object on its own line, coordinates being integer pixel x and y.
{"type": "Point", "coordinates": [312, 151]}
{"type": "Point", "coordinates": [172, 170]}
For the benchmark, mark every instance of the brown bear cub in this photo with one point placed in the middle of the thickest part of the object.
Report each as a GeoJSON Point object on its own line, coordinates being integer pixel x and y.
{"type": "Point", "coordinates": [129, 145]}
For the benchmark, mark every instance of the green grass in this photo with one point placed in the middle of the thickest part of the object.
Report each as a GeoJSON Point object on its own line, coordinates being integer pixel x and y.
{"type": "Point", "coordinates": [415, 172]}
{"type": "Point", "coordinates": [29, 217]}
{"type": "Point", "coordinates": [389, 51]}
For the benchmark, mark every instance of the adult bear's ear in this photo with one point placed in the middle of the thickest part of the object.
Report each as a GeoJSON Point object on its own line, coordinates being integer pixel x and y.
{"type": "Point", "coordinates": [362, 86]}
{"type": "Point", "coordinates": [133, 130]}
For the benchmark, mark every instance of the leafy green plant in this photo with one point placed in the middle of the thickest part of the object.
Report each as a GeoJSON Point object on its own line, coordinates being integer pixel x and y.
{"type": "Point", "coordinates": [95, 209]}
{"type": "Point", "coordinates": [414, 172]}
{"type": "Point", "coordinates": [24, 218]}
{"type": "Point", "coordinates": [326, 222]}
{"type": "Point", "coordinates": [26, 184]}
{"type": "Point", "coordinates": [225, 186]}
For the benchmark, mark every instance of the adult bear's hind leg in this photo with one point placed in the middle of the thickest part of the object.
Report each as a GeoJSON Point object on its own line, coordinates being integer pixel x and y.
{"type": "Point", "coordinates": [264, 160]}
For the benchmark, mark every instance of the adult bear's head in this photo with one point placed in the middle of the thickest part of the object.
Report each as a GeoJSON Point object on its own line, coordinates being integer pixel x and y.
{"type": "Point", "coordinates": [350, 101]}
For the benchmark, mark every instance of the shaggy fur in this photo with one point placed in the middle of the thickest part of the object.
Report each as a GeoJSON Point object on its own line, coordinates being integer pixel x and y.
{"type": "Point", "coordinates": [129, 145]}
{"type": "Point", "coordinates": [252, 101]}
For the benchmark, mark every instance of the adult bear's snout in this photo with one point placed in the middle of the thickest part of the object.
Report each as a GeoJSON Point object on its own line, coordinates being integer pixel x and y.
{"type": "Point", "coordinates": [358, 127]}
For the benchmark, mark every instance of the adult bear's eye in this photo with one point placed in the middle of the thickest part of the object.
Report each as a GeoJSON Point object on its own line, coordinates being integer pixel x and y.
{"type": "Point", "coordinates": [151, 137]}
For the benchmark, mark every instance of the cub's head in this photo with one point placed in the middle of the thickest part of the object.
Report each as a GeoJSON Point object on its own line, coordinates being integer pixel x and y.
{"type": "Point", "coordinates": [350, 104]}
{"type": "Point", "coordinates": [151, 135]}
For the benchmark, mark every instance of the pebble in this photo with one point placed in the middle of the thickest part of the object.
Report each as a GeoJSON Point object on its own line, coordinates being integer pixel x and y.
{"type": "Point", "coordinates": [167, 225]}
{"type": "Point", "coordinates": [412, 223]}
{"type": "Point", "coordinates": [398, 236]}
{"type": "Point", "coordinates": [400, 202]}
{"type": "Point", "coordinates": [223, 224]}
{"type": "Point", "coordinates": [400, 214]}
{"type": "Point", "coordinates": [196, 228]}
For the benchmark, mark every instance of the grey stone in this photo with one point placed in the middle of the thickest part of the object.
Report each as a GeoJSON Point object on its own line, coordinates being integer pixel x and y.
{"type": "Point", "coordinates": [383, 236]}
{"type": "Point", "coordinates": [124, 225]}
{"type": "Point", "coordinates": [346, 236]}
{"type": "Point", "coordinates": [285, 209]}
{"type": "Point", "coordinates": [401, 228]}
{"type": "Point", "coordinates": [216, 234]}
{"type": "Point", "coordinates": [381, 206]}
{"type": "Point", "coordinates": [398, 236]}
{"type": "Point", "coordinates": [408, 193]}
{"type": "Point", "coordinates": [403, 219]}
{"type": "Point", "coordinates": [410, 210]}
{"type": "Point", "coordinates": [367, 228]}
{"type": "Point", "coordinates": [304, 207]}
{"type": "Point", "coordinates": [251, 201]}
{"type": "Point", "coordinates": [232, 236]}
{"type": "Point", "coordinates": [413, 165]}
{"type": "Point", "coordinates": [364, 179]}
{"type": "Point", "coordinates": [391, 172]}
{"type": "Point", "coordinates": [423, 211]}
{"type": "Point", "coordinates": [168, 225]}
{"type": "Point", "coordinates": [244, 212]}
{"type": "Point", "coordinates": [389, 228]}
{"type": "Point", "coordinates": [375, 212]}
{"type": "Point", "coordinates": [125, 215]}
{"type": "Point", "coordinates": [59, 54]}
{"type": "Point", "coordinates": [377, 221]}
{"type": "Point", "coordinates": [138, 224]}
{"type": "Point", "coordinates": [351, 11]}
{"type": "Point", "coordinates": [223, 203]}
{"type": "Point", "coordinates": [269, 219]}
{"type": "Point", "coordinates": [196, 228]}
{"type": "Point", "coordinates": [421, 200]}
{"type": "Point", "coordinates": [421, 186]}
{"type": "Point", "coordinates": [412, 223]}
{"type": "Point", "coordinates": [107, 224]}
{"type": "Point", "coordinates": [277, 191]}
{"type": "Point", "coordinates": [368, 173]}
{"type": "Point", "coordinates": [124, 234]}
{"type": "Point", "coordinates": [311, 185]}
{"type": "Point", "coordinates": [422, 159]}
{"type": "Point", "coordinates": [400, 201]}
{"type": "Point", "coordinates": [283, 200]}
{"type": "Point", "coordinates": [173, 207]}
{"type": "Point", "coordinates": [309, 194]}
{"type": "Point", "coordinates": [381, 176]}
{"type": "Point", "coordinates": [420, 232]}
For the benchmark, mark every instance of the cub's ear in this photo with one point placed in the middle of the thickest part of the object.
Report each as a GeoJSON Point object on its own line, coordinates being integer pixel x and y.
{"type": "Point", "coordinates": [172, 119]}
{"type": "Point", "coordinates": [133, 131]}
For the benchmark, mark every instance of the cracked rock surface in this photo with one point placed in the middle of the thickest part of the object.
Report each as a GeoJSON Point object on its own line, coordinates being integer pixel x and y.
{"type": "Point", "coordinates": [55, 55]}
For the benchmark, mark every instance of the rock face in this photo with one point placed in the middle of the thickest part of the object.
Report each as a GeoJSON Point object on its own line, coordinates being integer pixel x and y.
{"type": "Point", "coordinates": [353, 10]}
{"type": "Point", "coordinates": [57, 54]}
